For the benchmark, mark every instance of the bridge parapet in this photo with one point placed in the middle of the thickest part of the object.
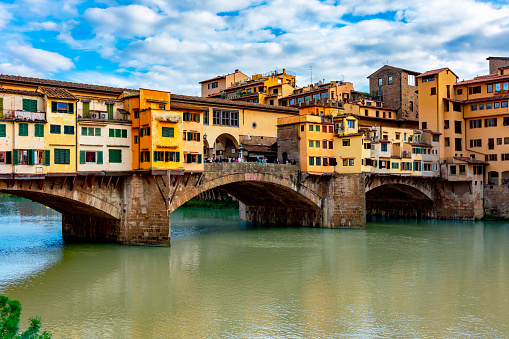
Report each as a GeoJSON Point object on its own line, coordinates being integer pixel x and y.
{"type": "Point", "coordinates": [250, 167]}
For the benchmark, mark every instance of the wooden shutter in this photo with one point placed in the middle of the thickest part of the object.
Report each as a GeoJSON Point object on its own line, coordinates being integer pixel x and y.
{"type": "Point", "coordinates": [15, 154]}
{"type": "Point", "coordinates": [124, 133]}
{"type": "Point", "coordinates": [47, 157]}
{"type": "Point", "coordinates": [83, 156]}
{"type": "Point", "coordinates": [70, 108]}
{"type": "Point", "coordinates": [495, 119]}
{"type": "Point", "coordinates": [3, 131]}
{"type": "Point", "coordinates": [86, 109]}
{"type": "Point", "coordinates": [198, 117]}
{"type": "Point", "coordinates": [84, 131]}
{"type": "Point", "coordinates": [112, 133]}
{"type": "Point", "coordinates": [198, 137]}
{"type": "Point", "coordinates": [33, 105]}
{"type": "Point", "coordinates": [155, 156]}
{"type": "Point", "coordinates": [118, 133]}
{"type": "Point", "coordinates": [31, 156]}
{"type": "Point", "coordinates": [67, 156]}
{"type": "Point", "coordinates": [189, 136]}
{"type": "Point", "coordinates": [97, 132]}
{"type": "Point", "coordinates": [26, 104]}
{"type": "Point", "coordinates": [177, 156]}
{"type": "Point", "coordinates": [199, 158]}
{"type": "Point", "coordinates": [100, 157]}
{"type": "Point", "coordinates": [54, 106]}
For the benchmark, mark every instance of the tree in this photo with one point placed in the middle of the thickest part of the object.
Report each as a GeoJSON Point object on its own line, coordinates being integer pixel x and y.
{"type": "Point", "coordinates": [10, 312]}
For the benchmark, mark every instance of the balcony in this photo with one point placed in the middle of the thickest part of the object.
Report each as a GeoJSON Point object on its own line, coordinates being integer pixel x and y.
{"type": "Point", "coordinates": [23, 115]}
{"type": "Point", "coordinates": [122, 115]}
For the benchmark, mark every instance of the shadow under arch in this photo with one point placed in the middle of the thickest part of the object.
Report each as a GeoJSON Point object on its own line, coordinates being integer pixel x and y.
{"type": "Point", "coordinates": [66, 205]}
{"type": "Point", "coordinates": [398, 200]}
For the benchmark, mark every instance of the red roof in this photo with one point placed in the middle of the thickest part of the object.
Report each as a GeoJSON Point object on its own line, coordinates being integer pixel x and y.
{"type": "Point", "coordinates": [471, 161]}
{"type": "Point", "coordinates": [60, 93]}
{"type": "Point", "coordinates": [21, 92]}
{"type": "Point", "coordinates": [484, 78]}
{"type": "Point", "coordinates": [433, 72]}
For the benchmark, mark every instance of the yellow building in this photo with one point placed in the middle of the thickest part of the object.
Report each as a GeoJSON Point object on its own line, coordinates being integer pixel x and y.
{"type": "Point", "coordinates": [334, 91]}
{"type": "Point", "coordinates": [157, 131]}
{"type": "Point", "coordinates": [217, 84]}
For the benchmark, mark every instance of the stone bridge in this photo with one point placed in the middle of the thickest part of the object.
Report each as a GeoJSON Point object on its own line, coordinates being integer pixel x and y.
{"type": "Point", "coordinates": [135, 208]}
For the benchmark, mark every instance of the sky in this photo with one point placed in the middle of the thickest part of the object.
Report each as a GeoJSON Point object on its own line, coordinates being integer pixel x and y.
{"type": "Point", "coordinates": [172, 45]}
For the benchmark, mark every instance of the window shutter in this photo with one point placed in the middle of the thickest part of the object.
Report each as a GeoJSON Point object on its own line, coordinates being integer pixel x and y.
{"type": "Point", "coordinates": [495, 119]}
{"type": "Point", "coordinates": [67, 156]}
{"type": "Point", "coordinates": [166, 156]}
{"type": "Point", "coordinates": [199, 158]}
{"type": "Point", "coordinates": [164, 131]}
{"type": "Point", "coordinates": [177, 156]}
{"type": "Point", "coordinates": [1, 107]}
{"type": "Point", "coordinates": [26, 105]}
{"type": "Point", "coordinates": [171, 132]}
{"type": "Point", "coordinates": [124, 133]}
{"type": "Point", "coordinates": [15, 154]}
{"type": "Point", "coordinates": [3, 132]}
{"type": "Point", "coordinates": [189, 136]}
{"type": "Point", "coordinates": [198, 117]}
{"type": "Point", "coordinates": [70, 108]}
{"type": "Point", "coordinates": [147, 131]}
{"type": "Point", "coordinates": [198, 137]}
{"type": "Point", "coordinates": [86, 109]}
{"type": "Point", "coordinates": [155, 156]}
{"type": "Point", "coordinates": [97, 132]}
{"type": "Point", "coordinates": [47, 157]}
{"type": "Point", "coordinates": [54, 106]}
{"type": "Point", "coordinates": [112, 133]}
{"type": "Point", "coordinates": [33, 105]}
{"type": "Point", "coordinates": [84, 131]}
{"type": "Point", "coordinates": [83, 157]}
{"type": "Point", "coordinates": [8, 157]}
{"type": "Point", "coordinates": [118, 133]}
{"type": "Point", "coordinates": [31, 156]}
{"type": "Point", "coordinates": [100, 157]}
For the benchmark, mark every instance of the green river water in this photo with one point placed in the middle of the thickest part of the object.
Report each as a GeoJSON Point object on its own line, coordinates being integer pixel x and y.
{"type": "Point", "coordinates": [223, 278]}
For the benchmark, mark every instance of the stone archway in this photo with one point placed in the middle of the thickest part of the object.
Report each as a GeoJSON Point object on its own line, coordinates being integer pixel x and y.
{"type": "Point", "coordinates": [226, 146]}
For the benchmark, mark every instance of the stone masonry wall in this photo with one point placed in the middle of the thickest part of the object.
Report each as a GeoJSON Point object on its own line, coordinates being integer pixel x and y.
{"type": "Point", "coordinates": [458, 200]}
{"type": "Point", "coordinates": [496, 201]}
{"type": "Point", "coordinates": [345, 204]}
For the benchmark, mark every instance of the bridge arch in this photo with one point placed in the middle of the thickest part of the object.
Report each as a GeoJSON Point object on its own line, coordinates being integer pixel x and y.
{"type": "Point", "coordinates": [257, 189]}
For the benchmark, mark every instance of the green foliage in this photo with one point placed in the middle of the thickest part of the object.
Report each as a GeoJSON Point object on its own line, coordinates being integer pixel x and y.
{"type": "Point", "coordinates": [10, 312]}
{"type": "Point", "coordinates": [214, 204]}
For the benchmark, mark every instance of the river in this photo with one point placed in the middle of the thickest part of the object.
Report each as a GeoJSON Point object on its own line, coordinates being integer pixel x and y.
{"type": "Point", "coordinates": [223, 278]}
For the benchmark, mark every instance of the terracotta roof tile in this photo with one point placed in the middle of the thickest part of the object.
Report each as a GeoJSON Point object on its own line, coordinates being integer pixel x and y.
{"type": "Point", "coordinates": [471, 161]}
{"type": "Point", "coordinates": [181, 97]}
{"type": "Point", "coordinates": [491, 98]}
{"type": "Point", "coordinates": [53, 92]}
{"type": "Point", "coordinates": [186, 106]}
{"type": "Point", "coordinates": [20, 92]}
{"type": "Point", "coordinates": [66, 84]}
{"type": "Point", "coordinates": [485, 78]}
{"type": "Point", "coordinates": [433, 72]}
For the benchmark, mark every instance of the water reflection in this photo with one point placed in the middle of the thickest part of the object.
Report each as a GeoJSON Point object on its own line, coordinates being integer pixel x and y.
{"type": "Point", "coordinates": [230, 280]}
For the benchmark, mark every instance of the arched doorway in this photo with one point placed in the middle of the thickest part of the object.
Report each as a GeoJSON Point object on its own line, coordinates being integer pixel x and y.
{"type": "Point", "coordinates": [226, 146]}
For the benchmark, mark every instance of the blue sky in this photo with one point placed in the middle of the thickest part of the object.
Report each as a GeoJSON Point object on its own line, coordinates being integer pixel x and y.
{"type": "Point", "coordinates": [174, 44]}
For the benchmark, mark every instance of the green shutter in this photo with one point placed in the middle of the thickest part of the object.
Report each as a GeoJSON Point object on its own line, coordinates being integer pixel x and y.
{"type": "Point", "coordinates": [198, 137]}
{"type": "Point", "coordinates": [15, 155]}
{"type": "Point", "coordinates": [33, 105]}
{"type": "Point", "coordinates": [177, 156]}
{"type": "Point", "coordinates": [3, 131]}
{"type": "Point", "coordinates": [155, 156]}
{"type": "Point", "coordinates": [39, 130]}
{"type": "Point", "coordinates": [67, 156]}
{"type": "Point", "coordinates": [47, 157]}
{"type": "Point", "coordinates": [23, 129]}
{"type": "Point", "coordinates": [100, 157]}
{"type": "Point", "coordinates": [97, 132]}
{"type": "Point", "coordinates": [83, 156]}
{"type": "Point", "coordinates": [198, 117]}
{"type": "Point", "coordinates": [115, 155]}
{"type": "Point", "coordinates": [199, 158]}
{"type": "Point", "coordinates": [54, 106]}
{"type": "Point", "coordinates": [164, 132]}
{"type": "Point", "coordinates": [189, 136]}
{"type": "Point", "coordinates": [31, 156]}
{"type": "Point", "coordinates": [86, 109]}
{"type": "Point", "coordinates": [91, 131]}
{"type": "Point", "coordinates": [26, 104]}
{"type": "Point", "coordinates": [1, 107]}
{"type": "Point", "coordinates": [124, 133]}
{"type": "Point", "coordinates": [118, 133]}
{"type": "Point", "coordinates": [112, 133]}
{"type": "Point", "coordinates": [70, 108]}
{"type": "Point", "coordinates": [84, 131]}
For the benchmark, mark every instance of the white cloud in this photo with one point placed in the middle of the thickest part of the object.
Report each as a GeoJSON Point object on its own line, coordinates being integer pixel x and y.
{"type": "Point", "coordinates": [39, 59]}
{"type": "Point", "coordinates": [23, 70]}
{"type": "Point", "coordinates": [5, 15]}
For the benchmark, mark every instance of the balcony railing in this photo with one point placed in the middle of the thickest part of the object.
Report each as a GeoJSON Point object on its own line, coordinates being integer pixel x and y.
{"type": "Point", "coordinates": [23, 115]}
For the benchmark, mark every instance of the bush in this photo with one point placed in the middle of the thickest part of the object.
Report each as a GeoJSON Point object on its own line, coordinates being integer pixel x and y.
{"type": "Point", "coordinates": [10, 312]}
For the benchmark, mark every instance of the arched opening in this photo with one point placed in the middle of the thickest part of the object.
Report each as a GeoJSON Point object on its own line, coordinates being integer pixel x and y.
{"type": "Point", "coordinates": [225, 146]}
{"type": "Point", "coordinates": [398, 201]}
{"type": "Point", "coordinates": [493, 178]}
{"type": "Point", "coordinates": [285, 157]}
{"type": "Point", "coordinates": [505, 177]}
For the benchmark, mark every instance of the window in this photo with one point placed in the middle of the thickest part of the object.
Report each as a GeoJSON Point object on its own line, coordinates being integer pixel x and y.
{"type": "Point", "coordinates": [452, 170]}
{"type": "Point", "coordinates": [311, 161]}
{"type": "Point", "coordinates": [424, 125]}
{"type": "Point", "coordinates": [366, 112]}
{"type": "Point", "coordinates": [412, 80]}
{"type": "Point", "coordinates": [30, 105]}
{"type": "Point", "coordinates": [491, 143]}
{"type": "Point", "coordinates": [168, 132]}
{"type": "Point", "coordinates": [136, 114]}
{"type": "Point", "coordinates": [62, 107]}
{"type": "Point", "coordinates": [428, 78]}
{"type": "Point", "coordinates": [489, 88]}
{"type": "Point", "coordinates": [206, 117]}
{"type": "Point", "coordinates": [91, 157]}
{"type": "Point", "coordinates": [473, 107]}
{"type": "Point", "coordinates": [350, 123]}
{"type": "Point", "coordinates": [68, 129]}
{"type": "Point", "coordinates": [162, 107]}
{"type": "Point", "coordinates": [62, 156]}
{"type": "Point", "coordinates": [492, 122]}
{"type": "Point", "coordinates": [377, 113]}
{"type": "Point", "coordinates": [456, 107]}
{"type": "Point", "coordinates": [291, 102]}
{"type": "Point", "coordinates": [379, 81]}
{"type": "Point", "coordinates": [55, 129]}
{"type": "Point", "coordinates": [506, 141]}
{"type": "Point", "coordinates": [504, 104]}
{"type": "Point", "coordinates": [316, 96]}
{"type": "Point", "coordinates": [346, 142]}
{"type": "Point", "coordinates": [505, 121]}
{"type": "Point", "coordinates": [122, 133]}
{"type": "Point", "coordinates": [225, 118]}
{"type": "Point", "coordinates": [447, 142]}
{"type": "Point", "coordinates": [496, 105]}
{"type": "Point", "coordinates": [136, 139]}
{"type": "Point", "coordinates": [23, 129]}
{"type": "Point", "coordinates": [474, 90]}
{"type": "Point", "coordinates": [492, 157]}
{"type": "Point", "coordinates": [191, 136]}
{"type": "Point", "coordinates": [331, 144]}
{"type": "Point", "coordinates": [317, 144]}
{"type": "Point", "coordinates": [324, 144]}
{"type": "Point", "coordinates": [476, 143]}
{"type": "Point", "coordinates": [395, 165]}
{"type": "Point", "coordinates": [187, 116]}
{"type": "Point", "coordinates": [389, 80]}
{"type": "Point", "coordinates": [318, 161]}
{"type": "Point", "coordinates": [499, 141]}
{"type": "Point", "coordinates": [459, 91]}
{"type": "Point", "coordinates": [457, 144]}
{"type": "Point", "coordinates": [504, 156]}
{"type": "Point", "coordinates": [115, 156]}
{"type": "Point", "coordinates": [497, 87]}
{"type": "Point", "coordinates": [481, 107]}
{"type": "Point", "coordinates": [433, 91]}
{"type": "Point", "coordinates": [109, 109]}
{"type": "Point", "coordinates": [331, 129]}
{"type": "Point", "coordinates": [476, 123]}
{"type": "Point", "coordinates": [384, 147]}
{"type": "Point", "coordinates": [457, 127]}
{"type": "Point", "coordinates": [489, 106]}
{"type": "Point", "coordinates": [215, 84]}
{"type": "Point", "coordinates": [3, 130]}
